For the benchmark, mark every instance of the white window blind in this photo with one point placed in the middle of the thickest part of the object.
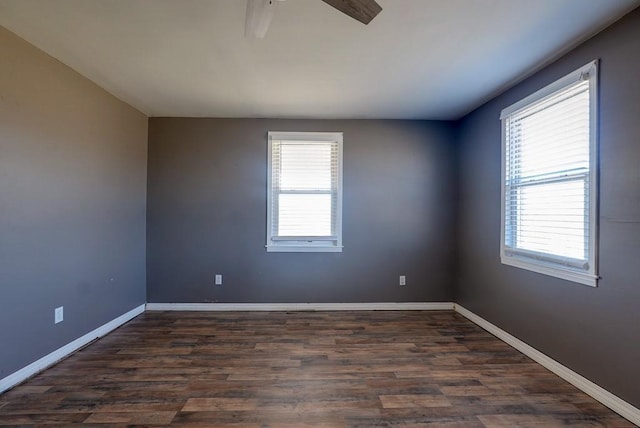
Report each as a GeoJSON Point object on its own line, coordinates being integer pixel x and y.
{"type": "Point", "coordinates": [304, 195]}
{"type": "Point", "coordinates": [549, 188]}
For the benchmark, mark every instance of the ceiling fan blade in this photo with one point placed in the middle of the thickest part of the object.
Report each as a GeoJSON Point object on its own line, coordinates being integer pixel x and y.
{"type": "Point", "coordinates": [259, 15]}
{"type": "Point", "coordinates": [360, 10]}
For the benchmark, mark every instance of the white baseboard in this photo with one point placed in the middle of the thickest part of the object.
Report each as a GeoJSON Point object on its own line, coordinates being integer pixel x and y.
{"type": "Point", "coordinates": [60, 353]}
{"type": "Point", "coordinates": [610, 400]}
{"type": "Point", "coordinates": [391, 306]}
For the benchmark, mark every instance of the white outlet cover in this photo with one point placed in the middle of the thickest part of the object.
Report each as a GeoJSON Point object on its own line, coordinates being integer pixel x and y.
{"type": "Point", "coordinates": [59, 314]}
{"type": "Point", "coordinates": [218, 279]}
{"type": "Point", "coordinates": [403, 280]}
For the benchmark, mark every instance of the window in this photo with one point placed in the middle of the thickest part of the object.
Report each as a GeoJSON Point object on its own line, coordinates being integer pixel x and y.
{"type": "Point", "coordinates": [304, 195]}
{"type": "Point", "coordinates": [549, 179]}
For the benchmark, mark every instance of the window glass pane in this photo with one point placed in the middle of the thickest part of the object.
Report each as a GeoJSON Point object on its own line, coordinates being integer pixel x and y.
{"type": "Point", "coordinates": [305, 166]}
{"type": "Point", "coordinates": [304, 215]}
{"type": "Point", "coordinates": [551, 218]}
{"type": "Point", "coordinates": [548, 149]}
{"type": "Point", "coordinates": [553, 140]}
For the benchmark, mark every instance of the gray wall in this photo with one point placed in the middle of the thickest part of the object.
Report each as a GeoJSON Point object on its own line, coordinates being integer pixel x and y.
{"type": "Point", "coordinates": [207, 214]}
{"type": "Point", "coordinates": [594, 331]}
{"type": "Point", "coordinates": [72, 204]}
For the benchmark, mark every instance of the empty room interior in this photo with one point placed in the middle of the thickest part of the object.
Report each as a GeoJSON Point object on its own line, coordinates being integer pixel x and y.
{"type": "Point", "coordinates": [268, 213]}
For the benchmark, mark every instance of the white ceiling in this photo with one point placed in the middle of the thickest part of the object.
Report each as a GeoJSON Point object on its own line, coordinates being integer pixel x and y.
{"type": "Point", "coordinates": [423, 59]}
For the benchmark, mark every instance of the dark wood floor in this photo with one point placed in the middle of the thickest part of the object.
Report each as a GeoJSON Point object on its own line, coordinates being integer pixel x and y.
{"type": "Point", "coordinates": [322, 369]}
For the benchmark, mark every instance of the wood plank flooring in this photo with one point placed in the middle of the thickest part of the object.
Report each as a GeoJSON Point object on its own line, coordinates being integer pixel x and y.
{"type": "Point", "coordinates": [301, 369]}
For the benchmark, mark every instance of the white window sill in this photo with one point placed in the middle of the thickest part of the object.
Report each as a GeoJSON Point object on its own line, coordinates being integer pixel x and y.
{"type": "Point", "coordinates": [303, 249]}
{"type": "Point", "coordinates": [568, 274]}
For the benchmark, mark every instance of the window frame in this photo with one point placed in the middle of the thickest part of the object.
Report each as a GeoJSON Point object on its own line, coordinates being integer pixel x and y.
{"type": "Point", "coordinates": [315, 246]}
{"type": "Point", "coordinates": [545, 263]}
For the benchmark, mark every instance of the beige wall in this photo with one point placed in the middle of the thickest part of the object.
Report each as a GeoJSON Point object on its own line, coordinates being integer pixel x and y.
{"type": "Point", "coordinates": [72, 204]}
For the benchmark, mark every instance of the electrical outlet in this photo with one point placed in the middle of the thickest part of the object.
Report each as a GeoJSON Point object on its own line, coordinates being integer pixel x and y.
{"type": "Point", "coordinates": [58, 315]}
{"type": "Point", "coordinates": [403, 280]}
{"type": "Point", "coordinates": [218, 279]}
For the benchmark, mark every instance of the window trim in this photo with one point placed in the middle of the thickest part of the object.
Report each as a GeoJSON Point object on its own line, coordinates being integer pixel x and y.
{"type": "Point", "coordinates": [557, 266]}
{"type": "Point", "coordinates": [322, 244]}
